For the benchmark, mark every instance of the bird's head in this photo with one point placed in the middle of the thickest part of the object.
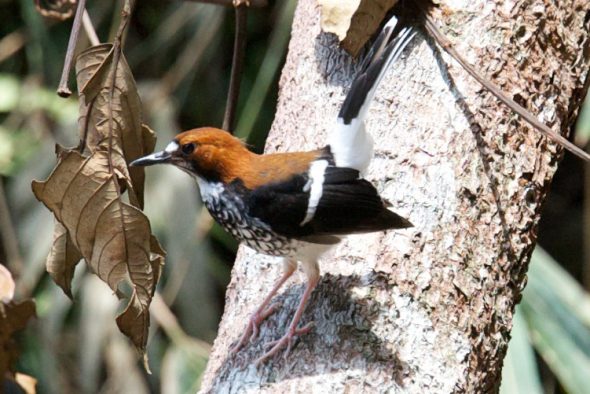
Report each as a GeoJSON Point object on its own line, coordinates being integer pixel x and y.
{"type": "Point", "coordinates": [206, 152]}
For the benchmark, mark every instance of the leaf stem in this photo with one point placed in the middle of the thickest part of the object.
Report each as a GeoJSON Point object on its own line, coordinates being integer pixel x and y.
{"type": "Point", "coordinates": [62, 89]}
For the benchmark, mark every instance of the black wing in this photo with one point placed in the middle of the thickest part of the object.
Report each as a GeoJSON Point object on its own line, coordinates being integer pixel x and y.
{"type": "Point", "coordinates": [348, 205]}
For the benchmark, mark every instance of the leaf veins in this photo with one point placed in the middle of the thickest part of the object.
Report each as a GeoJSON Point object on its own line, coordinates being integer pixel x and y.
{"type": "Point", "coordinates": [113, 237]}
{"type": "Point", "coordinates": [84, 192]}
{"type": "Point", "coordinates": [131, 139]}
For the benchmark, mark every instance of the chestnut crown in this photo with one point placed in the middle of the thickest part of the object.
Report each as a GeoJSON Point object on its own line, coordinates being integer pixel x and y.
{"type": "Point", "coordinates": [217, 156]}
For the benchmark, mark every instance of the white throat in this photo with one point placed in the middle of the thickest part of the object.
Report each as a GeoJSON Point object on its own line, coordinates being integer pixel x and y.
{"type": "Point", "coordinates": [209, 190]}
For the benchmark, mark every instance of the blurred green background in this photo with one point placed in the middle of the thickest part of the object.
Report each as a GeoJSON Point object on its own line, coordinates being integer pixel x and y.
{"type": "Point", "coordinates": [180, 54]}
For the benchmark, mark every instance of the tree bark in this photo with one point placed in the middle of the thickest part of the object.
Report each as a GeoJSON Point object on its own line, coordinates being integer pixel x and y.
{"type": "Point", "coordinates": [428, 309]}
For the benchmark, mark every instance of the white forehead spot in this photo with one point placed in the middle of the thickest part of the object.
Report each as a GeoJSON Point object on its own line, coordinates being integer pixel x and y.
{"type": "Point", "coordinates": [172, 147]}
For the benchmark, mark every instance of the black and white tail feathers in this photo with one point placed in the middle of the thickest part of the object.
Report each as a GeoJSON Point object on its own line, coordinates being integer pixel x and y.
{"type": "Point", "coordinates": [383, 53]}
{"type": "Point", "coordinates": [349, 142]}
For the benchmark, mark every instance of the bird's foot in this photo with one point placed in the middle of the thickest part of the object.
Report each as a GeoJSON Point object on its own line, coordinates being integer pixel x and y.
{"type": "Point", "coordinates": [285, 341]}
{"type": "Point", "coordinates": [251, 331]}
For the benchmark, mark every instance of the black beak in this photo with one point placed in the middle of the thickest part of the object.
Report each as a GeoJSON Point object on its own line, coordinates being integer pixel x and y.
{"type": "Point", "coordinates": [149, 160]}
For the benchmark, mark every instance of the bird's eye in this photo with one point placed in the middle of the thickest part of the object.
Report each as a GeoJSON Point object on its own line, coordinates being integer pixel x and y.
{"type": "Point", "coordinates": [187, 149]}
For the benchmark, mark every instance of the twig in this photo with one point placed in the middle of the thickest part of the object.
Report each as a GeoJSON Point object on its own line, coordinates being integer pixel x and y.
{"type": "Point", "coordinates": [89, 29]}
{"type": "Point", "coordinates": [62, 89]}
{"type": "Point", "coordinates": [522, 112]}
{"type": "Point", "coordinates": [237, 66]}
{"type": "Point", "coordinates": [125, 17]}
{"type": "Point", "coordinates": [231, 3]}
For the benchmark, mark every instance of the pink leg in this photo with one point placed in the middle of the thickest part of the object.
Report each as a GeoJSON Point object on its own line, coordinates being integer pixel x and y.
{"type": "Point", "coordinates": [263, 310]}
{"type": "Point", "coordinates": [292, 331]}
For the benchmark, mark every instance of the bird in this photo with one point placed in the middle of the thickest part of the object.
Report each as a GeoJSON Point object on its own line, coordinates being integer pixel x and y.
{"type": "Point", "coordinates": [295, 205]}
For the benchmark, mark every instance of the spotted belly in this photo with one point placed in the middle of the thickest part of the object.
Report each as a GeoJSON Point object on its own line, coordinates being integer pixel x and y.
{"type": "Point", "coordinates": [232, 216]}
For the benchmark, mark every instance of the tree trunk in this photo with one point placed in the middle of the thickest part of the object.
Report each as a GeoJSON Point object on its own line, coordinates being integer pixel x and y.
{"type": "Point", "coordinates": [428, 309]}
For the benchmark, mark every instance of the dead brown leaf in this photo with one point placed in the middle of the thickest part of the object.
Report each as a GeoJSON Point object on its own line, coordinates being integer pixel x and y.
{"type": "Point", "coordinates": [129, 138]}
{"type": "Point", "coordinates": [113, 237]}
{"type": "Point", "coordinates": [85, 192]}
{"type": "Point", "coordinates": [353, 21]}
{"type": "Point", "coordinates": [62, 259]}
{"type": "Point", "coordinates": [13, 317]}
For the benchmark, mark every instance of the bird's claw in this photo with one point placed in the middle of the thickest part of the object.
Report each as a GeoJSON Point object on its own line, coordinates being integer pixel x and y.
{"type": "Point", "coordinates": [286, 340]}
{"type": "Point", "coordinates": [251, 331]}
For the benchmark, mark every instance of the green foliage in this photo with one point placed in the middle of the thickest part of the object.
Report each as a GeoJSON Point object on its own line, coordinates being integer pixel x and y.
{"type": "Point", "coordinates": [554, 320]}
{"type": "Point", "coordinates": [520, 374]}
{"type": "Point", "coordinates": [22, 102]}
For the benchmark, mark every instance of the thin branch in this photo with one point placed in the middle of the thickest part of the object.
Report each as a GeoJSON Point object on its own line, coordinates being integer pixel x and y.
{"type": "Point", "coordinates": [232, 3]}
{"type": "Point", "coordinates": [237, 66]}
{"type": "Point", "coordinates": [62, 89]}
{"type": "Point", "coordinates": [125, 17]}
{"type": "Point", "coordinates": [514, 106]}
{"type": "Point", "coordinates": [89, 29]}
